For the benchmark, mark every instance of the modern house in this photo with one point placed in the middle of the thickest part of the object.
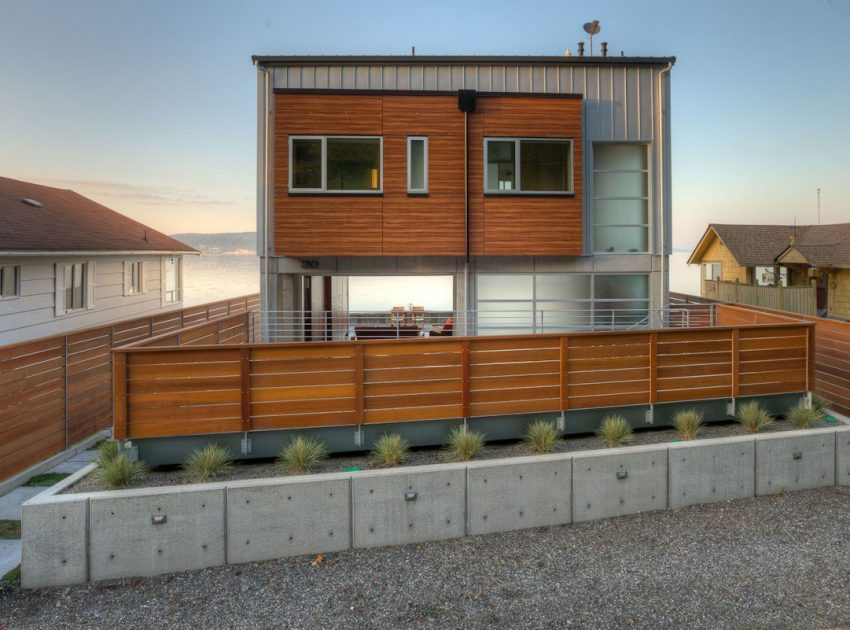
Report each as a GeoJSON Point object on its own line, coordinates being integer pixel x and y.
{"type": "Point", "coordinates": [803, 268]}
{"type": "Point", "coordinates": [67, 262]}
{"type": "Point", "coordinates": [541, 185]}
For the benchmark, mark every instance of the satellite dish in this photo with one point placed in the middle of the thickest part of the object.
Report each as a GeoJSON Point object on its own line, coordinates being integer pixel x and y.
{"type": "Point", "coordinates": [592, 28]}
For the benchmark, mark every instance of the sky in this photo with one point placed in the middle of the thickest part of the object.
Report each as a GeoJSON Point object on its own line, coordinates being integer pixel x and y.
{"type": "Point", "coordinates": [149, 106]}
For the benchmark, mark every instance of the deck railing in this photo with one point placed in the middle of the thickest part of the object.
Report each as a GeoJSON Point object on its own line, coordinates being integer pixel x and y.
{"type": "Point", "coordinates": [338, 326]}
{"type": "Point", "coordinates": [802, 300]}
{"type": "Point", "coordinates": [219, 389]}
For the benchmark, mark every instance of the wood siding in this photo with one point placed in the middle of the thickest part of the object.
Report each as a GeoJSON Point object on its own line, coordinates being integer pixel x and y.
{"type": "Point", "coordinates": [189, 391]}
{"type": "Point", "coordinates": [398, 224]}
{"type": "Point", "coordinates": [58, 390]}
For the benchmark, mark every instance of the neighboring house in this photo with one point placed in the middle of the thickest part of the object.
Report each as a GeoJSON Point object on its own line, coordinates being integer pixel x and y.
{"type": "Point", "coordinates": [541, 184]}
{"type": "Point", "coordinates": [67, 263]}
{"type": "Point", "coordinates": [804, 268]}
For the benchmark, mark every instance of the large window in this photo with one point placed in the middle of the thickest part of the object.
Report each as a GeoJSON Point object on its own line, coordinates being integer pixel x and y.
{"type": "Point", "coordinates": [335, 164]}
{"type": "Point", "coordinates": [135, 277]}
{"type": "Point", "coordinates": [173, 281]}
{"type": "Point", "coordinates": [771, 276]}
{"type": "Point", "coordinates": [417, 165]}
{"type": "Point", "coordinates": [526, 165]}
{"type": "Point", "coordinates": [10, 281]}
{"type": "Point", "coordinates": [620, 198]}
{"type": "Point", "coordinates": [711, 271]}
{"type": "Point", "coordinates": [553, 302]}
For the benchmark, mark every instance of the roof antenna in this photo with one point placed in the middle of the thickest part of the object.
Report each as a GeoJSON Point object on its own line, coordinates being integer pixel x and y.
{"type": "Point", "coordinates": [413, 51]}
{"type": "Point", "coordinates": [818, 206]}
{"type": "Point", "coordinates": [592, 28]}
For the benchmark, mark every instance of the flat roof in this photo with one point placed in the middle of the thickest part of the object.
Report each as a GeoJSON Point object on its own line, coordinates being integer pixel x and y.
{"type": "Point", "coordinates": [296, 60]}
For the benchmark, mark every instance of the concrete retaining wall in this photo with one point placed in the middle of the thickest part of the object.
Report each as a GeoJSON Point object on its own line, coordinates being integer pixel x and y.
{"type": "Point", "coordinates": [72, 539]}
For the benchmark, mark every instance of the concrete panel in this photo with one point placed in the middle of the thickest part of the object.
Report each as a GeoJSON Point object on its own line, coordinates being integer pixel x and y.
{"type": "Point", "coordinates": [619, 481]}
{"type": "Point", "coordinates": [53, 551]}
{"type": "Point", "coordinates": [279, 518]}
{"type": "Point", "coordinates": [712, 470]}
{"type": "Point", "coordinates": [400, 506]}
{"type": "Point", "coordinates": [795, 460]}
{"type": "Point", "coordinates": [521, 493]}
{"type": "Point", "coordinates": [842, 456]}
{"type": "Point", "coordinates": [126, 542]}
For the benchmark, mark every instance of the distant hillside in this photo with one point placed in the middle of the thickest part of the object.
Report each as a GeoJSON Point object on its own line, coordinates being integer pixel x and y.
{"type": "Point", "coordinates": [239, 243]}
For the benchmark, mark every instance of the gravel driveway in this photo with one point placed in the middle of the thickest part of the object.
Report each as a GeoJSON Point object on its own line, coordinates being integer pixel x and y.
{"type": "Point", "coordinates": [768, 562]}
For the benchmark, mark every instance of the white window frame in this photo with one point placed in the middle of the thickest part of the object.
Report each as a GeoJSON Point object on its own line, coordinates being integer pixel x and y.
{"type": "Point", "coordinates": [648, 198]}
{"type": "Point", "coordinates": [88, 286]}
{"type": "Point", "coordinates": [177, 296]}
{"type": "Point", "coordinates": [129, 288]}
{"type": "Point", "coordinates": [518, 168]}
{"type": "Point", "coordinates": [5, 272]}
{"type": "Point", "coordinates": [410, 189]}
{"type": "Point", "coordinates": [710, 265]}
{"type": "Point", "coordinates": [324, 166]}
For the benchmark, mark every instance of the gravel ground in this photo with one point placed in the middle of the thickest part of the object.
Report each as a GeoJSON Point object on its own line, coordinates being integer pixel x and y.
{"type": "Point", "coordinates": [264, 468]}
{"type": "Point", "coordinates": [781, 561]}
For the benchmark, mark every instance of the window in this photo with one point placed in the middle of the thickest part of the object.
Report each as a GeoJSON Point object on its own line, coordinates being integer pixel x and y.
{"type": "Point", "coordinates": [771, 276]}
{"type": "Point", "coordinates": [620, 198]}
{"type": "Point", "coordinates": [135, 277]}
{"type": "Point", "coordinates": [172, 281]}
{"type": "Point", "coordinates": [711, 271]}
{"type": "Point", "coordinates": [526, 165]}
{"type": "Point", "coordinates": [10, 281]}
{"type": "Point", "coordinates": [417, 164]}
{"type": "Point", "coordinates": [335, 164]}
{"type": "Point", "coordinates": [75, 281]}
{"type": "Point", "coordinates": [554, 302]}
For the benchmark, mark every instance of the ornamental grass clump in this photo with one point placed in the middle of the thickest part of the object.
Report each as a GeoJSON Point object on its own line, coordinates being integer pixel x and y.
{"type": "Point", "coordinates": [465, 444]}
{"type": "Point", "coordinates": [688, 423]}
{"type": "Point", "coordinates": [106, 451]}
{"type": "Point", "coordinates": [302, 454]}
{"type": "Point", "coordinates": [390, 449]}
{"type": "Point", "coordinates": [820, 405]}
{"type": "Point", "coordinates": [118, 471]}
{"type": "Point", "coordinates": [615, 431]}
{"type": "Point", "coordinates": [208, 462]}
{"type": "Point", "coordinates": [542, 436]}
{"type": "Point", "coordinates": [753, 417]}
{"type": "Point", "coordinates": [803, 417]}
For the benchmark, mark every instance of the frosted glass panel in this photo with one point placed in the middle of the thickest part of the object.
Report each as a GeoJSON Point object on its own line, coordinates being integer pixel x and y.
{"type": "Point", "coordinates": [621, 287]}
{"type": "Point", "coordinates": [563, 286]}
{"type": "Point", "coordinates": [619, 184]}
{"type": "Point", "coordinates": [505, 287]}
{"type": "Point", "coordinates": [619, 156]}
{"type": "Point", "coordinates": [417, 164]}
{"type": "Point", "coordinates": [555, 316]}
{"type": "Point", "coordinates": [619, 211]}
{"type": "Point", "coordinates": [515, 317]}
{"type": "Point", "coordinates": [620, 239]}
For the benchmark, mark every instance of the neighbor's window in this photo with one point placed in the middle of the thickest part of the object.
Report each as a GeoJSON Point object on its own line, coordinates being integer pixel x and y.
{"type": "Point", "coordinates": [711, 271]}
{"type": "Point", "coordinates": [620, 198]}
{"type": "Point", "coordinates": [10, 281]}
{"type": "Point", "coordinates": [75, 283]}
{"type": "Point", "coordinates": [527, 165]}
{"type": "Point", "coordinates": [336, 164]}
{"type": "Point", "coordinates": [134, 277]}
{"type": "Point", "coordinates": [172, 279]}
{"type": "Point", "coordinates": [417, 164]}
{"type": "Point", "coordinates": [772, 276]}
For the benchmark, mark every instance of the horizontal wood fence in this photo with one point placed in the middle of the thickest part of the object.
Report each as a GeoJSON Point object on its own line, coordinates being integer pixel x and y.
{"type": "Point", "coordinates": [801, 300]}
{"type": "Point", "coordinates": [56, 391]}
{"type": "Point", "coordinates": [214, 389]}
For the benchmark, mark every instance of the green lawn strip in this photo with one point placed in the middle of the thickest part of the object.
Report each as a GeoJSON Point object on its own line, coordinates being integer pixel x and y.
{"type": "Point", "coordinates": [12, 579]}
{"type": "Point", "coordinates": [10, 530]}
{"type": "Point", "coordinates": [47, 479]}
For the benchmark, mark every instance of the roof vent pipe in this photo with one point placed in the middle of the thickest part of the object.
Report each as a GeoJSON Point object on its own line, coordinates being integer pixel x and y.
{"type": "Point", "coordinates": [603, 49]}
{"type": "Point", "coordinates": [581, 49]}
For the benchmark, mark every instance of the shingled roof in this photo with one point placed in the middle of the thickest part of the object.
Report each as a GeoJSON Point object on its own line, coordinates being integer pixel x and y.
{"type": "Point", "coordinates": [761, 245]}
{"type": "Point", "coordinates": [64, 221]}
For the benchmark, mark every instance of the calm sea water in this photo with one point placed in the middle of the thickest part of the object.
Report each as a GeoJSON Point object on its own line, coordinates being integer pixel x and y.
{"type": "Point", "coordinates": [215, 277]}
{"type": "Point", "coordinates": [211, 277]}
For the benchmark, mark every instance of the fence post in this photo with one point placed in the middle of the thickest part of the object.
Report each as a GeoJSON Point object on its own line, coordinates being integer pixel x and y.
{"type": "Point", "coordinates": [653, 368]}
{"type": "Point", "coordinates": [564, 359]}
{"type": "Point", "coordinates": [358, 383]}
{"type": "Point", "coordinates": [119, 396]}
{"type": "Point", "coordinates": [245, 360]}
{"type": "Point", "coordinates": [65, 364]}
{"type": "Point", "coordinates": [736, 366]}
{"type": "Point", "coordinates": [464, 396]}
{"type": "Point", "coordinates": [810, 358]}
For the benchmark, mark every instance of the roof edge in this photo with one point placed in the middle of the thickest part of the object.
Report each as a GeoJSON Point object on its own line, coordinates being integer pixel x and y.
{"type": "Point", "coordinates": [88, 252]}
{"type": "Point", "coordinates": [294, 60]}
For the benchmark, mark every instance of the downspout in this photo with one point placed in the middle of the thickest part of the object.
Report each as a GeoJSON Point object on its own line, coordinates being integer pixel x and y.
{"type": "Point", "coordinates": [466, 219]}
{"type": "Point", "coordinates": [266, 290]}
{"type": "Point", "coordinates": [663, 174]}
